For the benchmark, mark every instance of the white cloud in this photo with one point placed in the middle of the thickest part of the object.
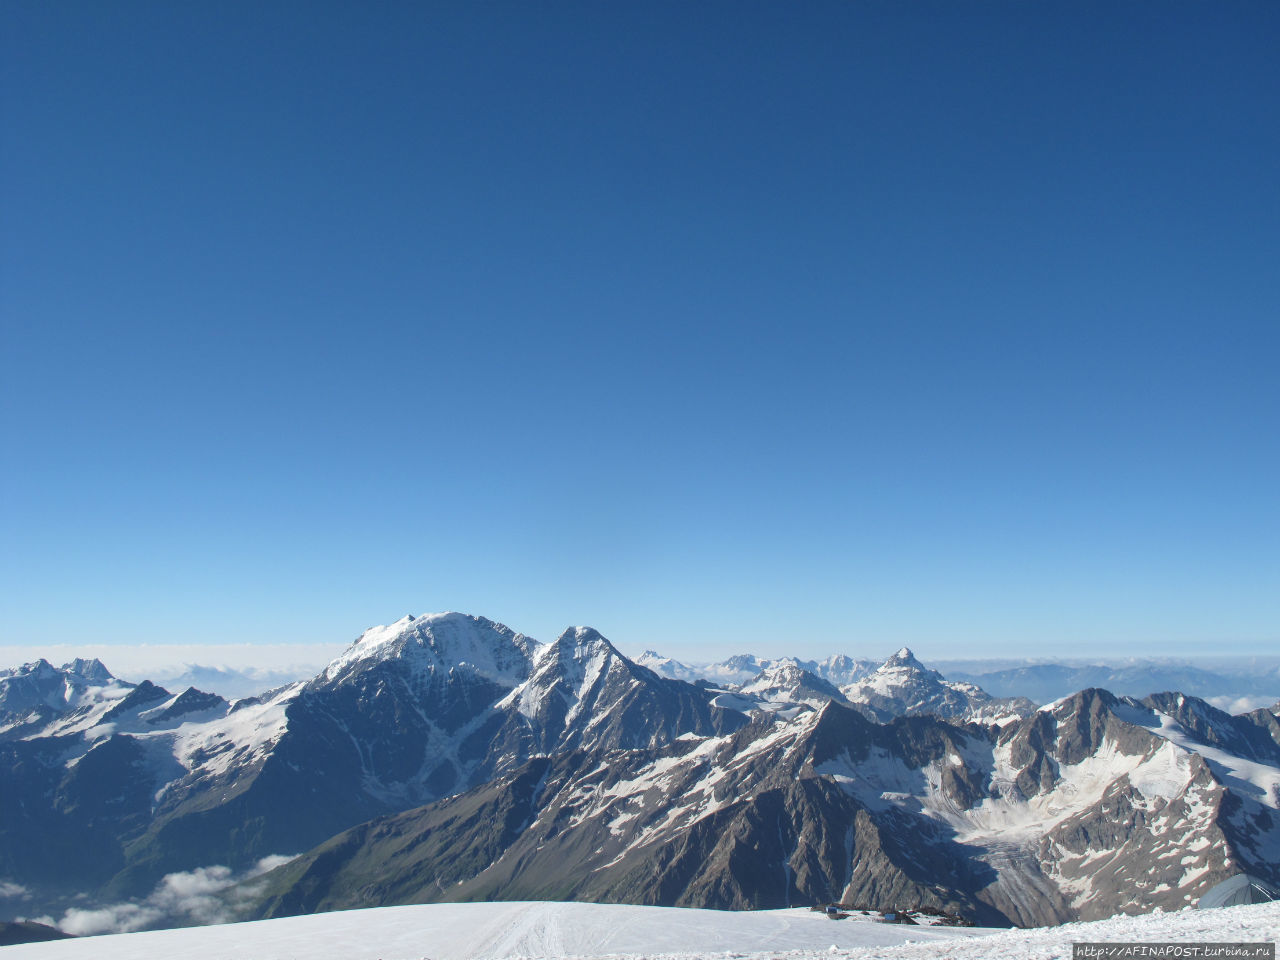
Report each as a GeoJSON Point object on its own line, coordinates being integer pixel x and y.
{"type": "Point", "coordinates": [119, 918]}
{"type": "Point", "coordinates": [267, 864]}
{"type": "Point", "coordinates": [10, 890]}
{"type": "Point", "coordinates": [195, 897]}
{"type": "Point", "coordinates": [1237, 705]}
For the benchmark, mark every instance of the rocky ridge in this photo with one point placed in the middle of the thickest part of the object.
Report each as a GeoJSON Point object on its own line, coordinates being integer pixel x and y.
{"type": "Point", "coordinates": [1096, 806]}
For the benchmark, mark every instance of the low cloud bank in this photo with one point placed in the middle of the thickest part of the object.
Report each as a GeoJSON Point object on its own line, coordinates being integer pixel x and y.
{"type": "Point", "coordinates": [1238, 705]}
{"type": "Point", "coordinates": [197, 897]}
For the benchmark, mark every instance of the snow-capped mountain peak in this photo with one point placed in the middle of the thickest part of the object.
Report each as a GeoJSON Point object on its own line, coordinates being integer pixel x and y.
{"type": "Point", "coordinates": [38, 693]}
{"type": "Point", "coordinates": [904, 659]}
{"type": "Point", "coordinates": [785, 682]}
{"type": "Point", "coordinates": [572, 666]}
{"type": "Point", "coordinates": [903, 685]}
{"type": "Point", "coordinates": [584, 694]}
{"type": "Point", "coordinates": [438, 641]}
{"type": "Point", "coordinates": [92, 671]}
{"type": "Point", "coordinates": [581, 639]}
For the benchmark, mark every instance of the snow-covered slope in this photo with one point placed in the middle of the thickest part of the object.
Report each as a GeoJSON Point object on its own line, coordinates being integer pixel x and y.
{"type": "Point", "coordinates": [502, 931]}
{"type": "Point", "coordinates": [559, 931]}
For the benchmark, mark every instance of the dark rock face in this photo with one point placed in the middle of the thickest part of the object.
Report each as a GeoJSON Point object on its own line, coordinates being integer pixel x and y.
{"type": "Point", "coordinates": [1266, 719]}
{"type": "Point", "coordinates": [740, 826]}
{"type": "Point", "coordinates": [146, 694]}
{"type": "Point", "coordinates": [190, 701]}
{"type": "Point", "coordinates": [27, 931]}
{"type": "Point", "coordinates": [41, 829]}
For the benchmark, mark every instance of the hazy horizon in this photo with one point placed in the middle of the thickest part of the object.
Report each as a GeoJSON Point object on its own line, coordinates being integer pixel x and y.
{"type": "Point", "coordinates": [136, 662]}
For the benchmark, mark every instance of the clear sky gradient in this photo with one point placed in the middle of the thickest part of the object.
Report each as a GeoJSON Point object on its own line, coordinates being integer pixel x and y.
{"type": "Point", "coordinates": [717, 326]}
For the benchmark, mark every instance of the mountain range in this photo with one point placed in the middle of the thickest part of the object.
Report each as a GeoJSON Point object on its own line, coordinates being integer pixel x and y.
{"type": "Point", "coordinates": [1254, 680]}
{"type": "Point", "coordinates": [448, 757]}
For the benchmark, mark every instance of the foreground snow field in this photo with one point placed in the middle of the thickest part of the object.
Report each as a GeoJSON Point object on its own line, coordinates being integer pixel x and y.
{"type": "Point", "coordinates": [470, 931]}
{"type": "Point", "coordinates": [506, 931]}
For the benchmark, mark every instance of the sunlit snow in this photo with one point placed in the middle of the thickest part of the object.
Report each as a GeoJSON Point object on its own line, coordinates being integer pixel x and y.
{"type": "Point", "coordinates": [558, 931]}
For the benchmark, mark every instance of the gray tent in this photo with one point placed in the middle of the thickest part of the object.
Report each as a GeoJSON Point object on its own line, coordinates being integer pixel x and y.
{"type": "Point", "coordinates": [1242, 888]}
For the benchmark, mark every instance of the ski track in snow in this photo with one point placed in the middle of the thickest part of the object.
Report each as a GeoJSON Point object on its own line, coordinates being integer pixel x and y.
{"type": "Point", "coordinates": [576, 931]}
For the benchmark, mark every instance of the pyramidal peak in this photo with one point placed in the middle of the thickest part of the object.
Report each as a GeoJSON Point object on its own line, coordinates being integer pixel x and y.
{"type": "Point", "coordinates": [578, 645]}
{"type": "Point", "coordinates": [582, 635]}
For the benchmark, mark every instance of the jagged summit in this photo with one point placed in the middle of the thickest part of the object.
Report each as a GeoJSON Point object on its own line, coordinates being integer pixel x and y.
{"type": "Point", "coordinates": [93, 670]}
{"type": "Point", "coordinates": [50, 690]}
{"type": "Point", "coordinates": [578, 645]}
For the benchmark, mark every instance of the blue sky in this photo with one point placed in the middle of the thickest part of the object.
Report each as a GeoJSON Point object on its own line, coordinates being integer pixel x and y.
{"type": "Point", "coordinates": [795, 328]}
